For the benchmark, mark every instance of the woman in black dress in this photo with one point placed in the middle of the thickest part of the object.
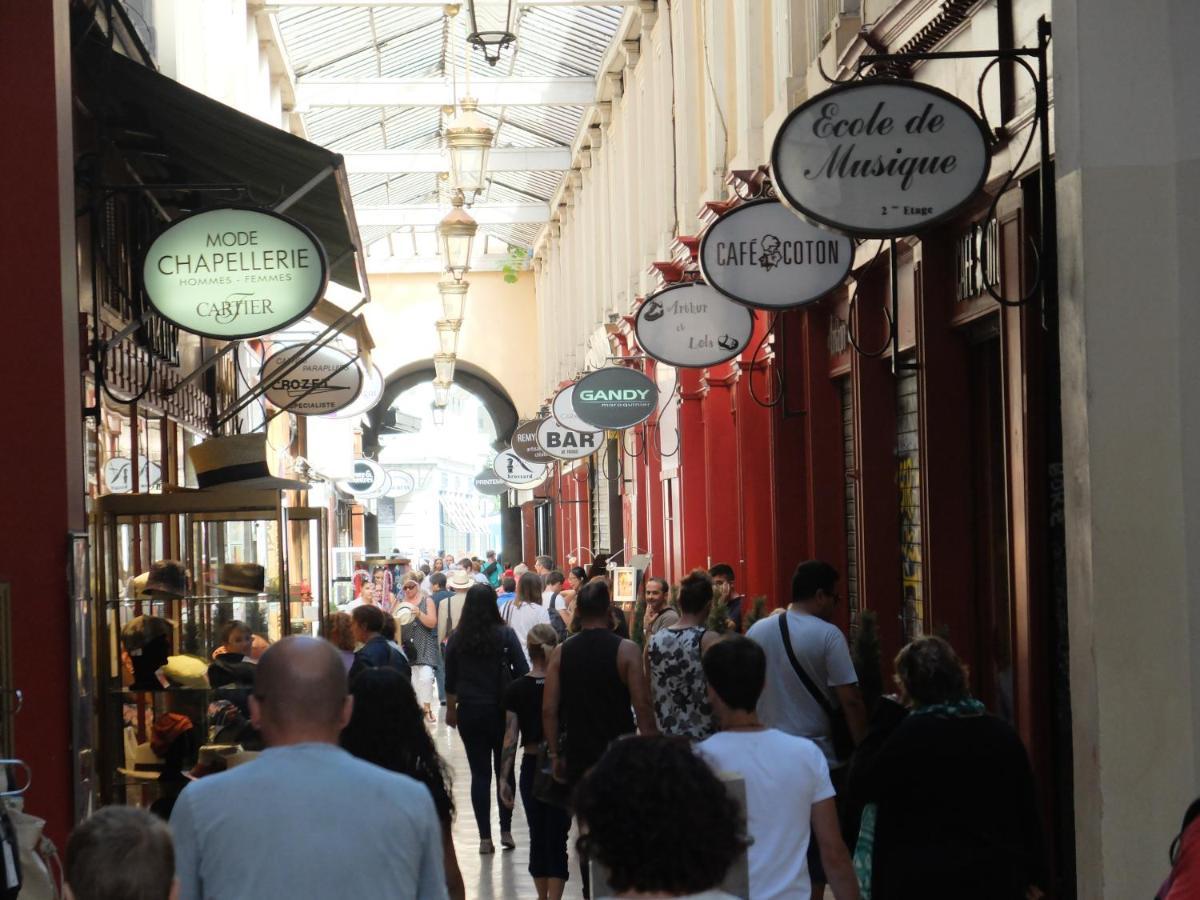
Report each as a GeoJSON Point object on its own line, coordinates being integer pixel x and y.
{"type": "Point", "coordinates": [482, 657]}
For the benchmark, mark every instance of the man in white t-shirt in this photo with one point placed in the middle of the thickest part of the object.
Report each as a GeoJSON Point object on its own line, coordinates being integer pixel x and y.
{"type": "Point", "coordinates": [789, 797]}
{"type": "Point", "coordinates": [554, 586]}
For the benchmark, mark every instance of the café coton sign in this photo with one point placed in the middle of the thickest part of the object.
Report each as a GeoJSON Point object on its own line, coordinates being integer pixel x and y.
{"type": "Point", "coordinates": [880, 158]}
{"type": "Point", "coordinates": [763, 255]}
{"type": "Point", "coordinates": [566, 443]}
{"type": "Point", "coordinates": [232, 272]}
{"type": "Point", "coordinates": [324, 381]}
{"type": "Point", "coordinates": [692, 325]}
{"type": "Point", "coordinates": [614, 398]}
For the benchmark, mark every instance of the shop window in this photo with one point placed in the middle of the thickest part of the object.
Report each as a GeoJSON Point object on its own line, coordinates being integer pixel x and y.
{"type": "Point", "coordinates": [908, 479]}
{"type": "Point", "coordinates": [599, 505]}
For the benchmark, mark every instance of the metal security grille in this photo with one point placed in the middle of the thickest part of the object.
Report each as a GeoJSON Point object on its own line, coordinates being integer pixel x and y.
{"type": "Point", "coordinates": [908, 479]}
{"type": "Point", "coordinates": [600, 508]}
{"type": "Point", "coordinates": [851, 498]}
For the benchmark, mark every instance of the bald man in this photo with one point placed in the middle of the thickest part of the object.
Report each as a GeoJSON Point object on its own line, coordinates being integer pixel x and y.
{"type": "Point", "coordinates": [306, 819]}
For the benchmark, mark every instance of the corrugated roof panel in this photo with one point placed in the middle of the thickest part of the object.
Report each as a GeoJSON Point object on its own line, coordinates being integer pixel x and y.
{"type": "Point", "coordinates": [345, 128]}
{"type": "Point", "coordinates": [413, 127]}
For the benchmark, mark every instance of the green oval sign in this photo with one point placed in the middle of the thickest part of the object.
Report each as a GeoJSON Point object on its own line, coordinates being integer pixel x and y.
{"type": "Point", "coordinates": [233, 272]}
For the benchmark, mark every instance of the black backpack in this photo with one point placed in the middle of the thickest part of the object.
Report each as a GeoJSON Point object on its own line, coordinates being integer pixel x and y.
{"type": "Point", "coordinates": [556, 621]}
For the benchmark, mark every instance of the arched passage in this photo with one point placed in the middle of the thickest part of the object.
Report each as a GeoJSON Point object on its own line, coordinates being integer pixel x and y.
{"type": "Point", "coordinates": [468, 376]}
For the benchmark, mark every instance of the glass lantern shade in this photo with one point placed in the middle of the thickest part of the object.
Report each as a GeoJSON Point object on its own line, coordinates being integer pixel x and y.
{"type": "Point", "coordinates": [492, 40]}
{"type": "Point", "coordinates": [454, 299]}
{"type": "Point", "coordinates": [438, 413]}
{"type": "Point", "coordinates": [443, 366]}
{"type": "Point", "coordinates": [469, 138]}
{"type": "Point", "coordinates": [441, 393]}
{"type": "Point", "coordinates": [447, 330]}
{"type": "Point", "coordinates": [456, 234]}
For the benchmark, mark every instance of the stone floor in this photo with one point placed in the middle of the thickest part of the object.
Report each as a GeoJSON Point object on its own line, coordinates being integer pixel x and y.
{"type": "Point", "coordinates": [505, 874]}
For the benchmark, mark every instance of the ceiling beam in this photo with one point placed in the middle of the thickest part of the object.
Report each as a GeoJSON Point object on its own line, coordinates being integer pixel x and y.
{"type": "Point", "coordinates": [437, 92]}
{"type": "Point", "coordinates": [504, 159]}
{"type": "Point", "coordinates": [398, 265]}
{"type": "Point", "coordinates": [430, 214]}
{"type": "Point", "coordinates": [385, 4]}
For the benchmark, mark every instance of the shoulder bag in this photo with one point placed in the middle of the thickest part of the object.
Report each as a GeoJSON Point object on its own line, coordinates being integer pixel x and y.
{"type": "Point", "coordinates": [546, 787]}
{"type": "Point", "coordinates": [843, 742]}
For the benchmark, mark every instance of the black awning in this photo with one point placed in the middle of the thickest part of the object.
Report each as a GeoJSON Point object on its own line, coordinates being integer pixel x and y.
{"type": "Point", "coordinates": [206, 142]}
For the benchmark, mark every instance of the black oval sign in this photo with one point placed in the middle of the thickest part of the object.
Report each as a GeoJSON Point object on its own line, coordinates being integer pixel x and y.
{"type": "Point", "coordinates": [525, 443]}
{"type": "Point", "coordinates": [614, 398]}
{"type": "Point", "coordinates": [490, 483]}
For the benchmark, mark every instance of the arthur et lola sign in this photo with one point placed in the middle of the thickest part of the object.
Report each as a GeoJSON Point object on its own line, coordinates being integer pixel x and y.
{"type": "Point", "coordinates": [692, 325]}
{"type": "Point", "coordinates": [880, 158]}
{"type": "Point", "coordinates": [233, 272]}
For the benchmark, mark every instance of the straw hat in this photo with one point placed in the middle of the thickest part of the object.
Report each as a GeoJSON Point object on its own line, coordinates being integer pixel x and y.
{"type": "Point", "coordinates": [237, 461]}
{"type": "Point", "coordinates": [460, 581]}
{"type": "Point", "coordinates": [242, 578]}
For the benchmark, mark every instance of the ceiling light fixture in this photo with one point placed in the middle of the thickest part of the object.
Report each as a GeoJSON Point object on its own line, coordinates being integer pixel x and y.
{"type": "Point", "coordinates": [492, 41]}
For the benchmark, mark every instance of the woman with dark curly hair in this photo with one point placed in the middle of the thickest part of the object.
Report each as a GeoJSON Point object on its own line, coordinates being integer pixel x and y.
{"type": "Point", "coordinates": [658, 820]}
{"type": "Point", "coordinates": [387, 728]}
{"type": "Point", "coordinates": [955, 807]}
{"type": "Point", "coordinates": [482, 658]}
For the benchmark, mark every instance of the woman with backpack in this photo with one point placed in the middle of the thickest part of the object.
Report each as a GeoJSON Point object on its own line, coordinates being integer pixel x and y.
{"type": "Point", "coordinates": [483, 657]}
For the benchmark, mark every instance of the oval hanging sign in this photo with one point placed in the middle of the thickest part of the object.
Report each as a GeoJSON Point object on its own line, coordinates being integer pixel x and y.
{"type": "Point", "coordinates": [567, 443]}
{"type": "Point", "coordinates": [401, 483]}
{"type": "Point", "coordinates": [764, 255]}
{"type": "Point", "coordinates": [232, 272]}
{"type": "Point", "coordinates": [692, 325]}
{"type": "Point", "coordinates": [490, 484]}
{"type": "Point", "coordinates": [368, 397]}
{"type": "Point", "coordinates": [614, 398]}
{"type": "Point", "coordinates": [516, 472]}
{"type": "Point", "coordinates": [369, 480]}
{"type": "Point", "coordinates": [324, 381]}
{"type": "Point", "coordinates": [880, 158]}
{"type": "Point", "coordinates": [525, 443]}
{"type": "Point", "coordinates": [563, 409]}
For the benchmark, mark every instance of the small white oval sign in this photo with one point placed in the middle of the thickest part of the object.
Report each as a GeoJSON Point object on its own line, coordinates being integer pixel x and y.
{"type": "Point", "coordinates": [567, 443]}
{"type": "Point", "coordinates": [368, 397]}
{"type": "Point", "coordinates": [516, 472]}
{"type": "Point", "coordinates": [234, 273]}
{"type": "Point", "coordinates": [880, 158]}
{"type": "Point", "coordinates": [764, 255]}
{"type": "Point", "coordinates": [324, 381]}
{"type": "Point", "coordinates": [693, 325]}
{"type": "Point", "coordinates": [563, 409]}
{"type": "Point", "coordinates": [369, 480]}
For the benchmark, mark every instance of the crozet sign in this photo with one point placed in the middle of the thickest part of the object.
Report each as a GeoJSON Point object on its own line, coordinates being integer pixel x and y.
{"type": "Point", "coordinates": [231, 272]}
{"type": "Point", "coordinates": [692, 325]}
{"type": "Point", "coordinates": [567, 443]}
{"type": "Point", "coordinates": [614, 398]}
{"type": "Point", "coordinates": [764, 255]}
{"type": "Point", "coordinates": [324, 381]}
{"type": "Point", "coordinates": [880, 158]}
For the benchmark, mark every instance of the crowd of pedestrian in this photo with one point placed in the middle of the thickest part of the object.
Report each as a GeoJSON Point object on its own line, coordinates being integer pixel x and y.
{"type": "Point", "coordinates": [705, 763]}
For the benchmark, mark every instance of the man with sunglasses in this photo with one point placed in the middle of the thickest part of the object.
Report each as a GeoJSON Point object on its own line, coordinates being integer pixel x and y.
{"type": "Point", "coordinates": [815, 658]}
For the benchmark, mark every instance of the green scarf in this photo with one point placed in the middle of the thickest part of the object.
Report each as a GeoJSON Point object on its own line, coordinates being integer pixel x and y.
{"type": "Point", "coordinates": [957, 709]}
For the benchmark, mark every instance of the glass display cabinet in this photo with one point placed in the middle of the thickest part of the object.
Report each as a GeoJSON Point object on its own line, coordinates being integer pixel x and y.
{"type": "Point", "coordinates": [173, 571]}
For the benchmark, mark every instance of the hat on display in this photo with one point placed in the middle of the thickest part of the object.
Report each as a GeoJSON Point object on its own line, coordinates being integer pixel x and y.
{"type": "Point", "coordinates": [242, 578]}
{"type": "Point", "coordinates": [135, 588]}
{"type": "Point", "coordinates": [238, 461]}
{"type": "Point", "coordinates": [142, 630]}
{"type": "Point", "coordinates": [460, 581]}
{"type": "Point", "coordinates": [166, 578]}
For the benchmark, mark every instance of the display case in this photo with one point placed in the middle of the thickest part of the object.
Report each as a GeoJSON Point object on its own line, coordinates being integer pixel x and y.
{"type": "Point", "coordinates": [173, 570]}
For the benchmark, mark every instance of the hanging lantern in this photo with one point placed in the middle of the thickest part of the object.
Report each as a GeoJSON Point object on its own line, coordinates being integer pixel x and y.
{"type": "Point", "coordinates": [443, 366]}
{"type": "Point", "coordinates": [456, 234]}
{"type": "Point", "coordinates": [469, 138]}
{"type": "Point", "coordinates": [439, 414]}
{"type": "Point", "coordinates": [447, 330]}
{"type": "Point", "coordinates": [454, 299]}
{"type": "Point", "coordinates": [492, 41]}
{"type": "Point", "coordinates": [441, 393]}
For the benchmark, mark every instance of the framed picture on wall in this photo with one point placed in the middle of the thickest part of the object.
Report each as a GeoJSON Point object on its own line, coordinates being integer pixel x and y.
{"type": "Point", "coordinates": [625, 584]}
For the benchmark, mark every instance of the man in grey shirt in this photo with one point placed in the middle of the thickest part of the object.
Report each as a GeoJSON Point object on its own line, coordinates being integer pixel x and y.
{"type": "Point", "coordinates": [306, 819]}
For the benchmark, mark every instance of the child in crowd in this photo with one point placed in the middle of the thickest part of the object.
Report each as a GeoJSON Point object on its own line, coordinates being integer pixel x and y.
{"type": "Point", "coordinates": [121, 853]}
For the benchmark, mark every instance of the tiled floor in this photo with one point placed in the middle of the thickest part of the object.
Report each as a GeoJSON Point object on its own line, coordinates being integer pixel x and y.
{"type": "Point", "coordinates": [505, 874]}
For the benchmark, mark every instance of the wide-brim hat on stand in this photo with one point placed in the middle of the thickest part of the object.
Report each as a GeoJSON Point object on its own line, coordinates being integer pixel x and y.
{"type": "Point", "coordinates": [238, 461]}
{"type": "Point", "coordinates": [166, 578]}
{"type": "Point", "coordinates": [242, 578]}
{"type": "Point", "coordinates": [460, 581]}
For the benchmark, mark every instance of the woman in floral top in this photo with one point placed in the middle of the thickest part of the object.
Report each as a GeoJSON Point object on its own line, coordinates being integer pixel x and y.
{"type": "Point", "coordinates": [677, 682]}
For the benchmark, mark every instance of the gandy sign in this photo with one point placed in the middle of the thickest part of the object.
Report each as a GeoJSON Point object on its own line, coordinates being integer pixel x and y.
{"type": "Point", "coordinates": [763, 255]}
{"type": "Point", "coordinates": [231, 272]}
{"type": "Point", "coordinates": [614, 398]}
{"type": "Point", "coordinates": [880, 158]}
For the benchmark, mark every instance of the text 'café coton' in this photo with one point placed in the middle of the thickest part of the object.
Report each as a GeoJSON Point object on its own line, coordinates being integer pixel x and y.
{"type": "Point", "coordinates": [234, 251]}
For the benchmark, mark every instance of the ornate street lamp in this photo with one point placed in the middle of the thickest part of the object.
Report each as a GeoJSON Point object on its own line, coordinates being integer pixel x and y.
{"type": "Point", "coordinates": [447, 330]}
{"type": "Point", "coordinates": [469, 138]}
{"type": "Point", "coordinates": [456, 234]}
{"type": "Point", "coordinates": [454, 299]}
{"type": "Point", "coordinates": [439, 414]}
{"type": "Point", "coordinates": [441, 393]}
{"type": "Point", "coordinates": [443, 367]}
{"type": "Point", "coordinates": [493, 41]}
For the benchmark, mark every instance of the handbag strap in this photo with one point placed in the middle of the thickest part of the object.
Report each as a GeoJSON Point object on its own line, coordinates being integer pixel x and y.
{"type": "Point", "coordinates": [817, 694]}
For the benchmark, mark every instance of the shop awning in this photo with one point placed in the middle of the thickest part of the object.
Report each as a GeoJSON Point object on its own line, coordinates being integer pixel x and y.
{"type": "Point", "coordinates": [201, 141]}
{"type": "Point", "coordinates": [460, 516]}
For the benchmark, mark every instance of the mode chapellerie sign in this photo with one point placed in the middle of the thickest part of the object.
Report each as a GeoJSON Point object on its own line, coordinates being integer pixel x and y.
{"type": "Point", "coordinates": [232, 273]}
{"type": "Point", "coordinates": [692, 325]}
{"type": "Point", "coordinates": [764, 255]}
{"type": "Point", "coordinates": [880, 159]}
